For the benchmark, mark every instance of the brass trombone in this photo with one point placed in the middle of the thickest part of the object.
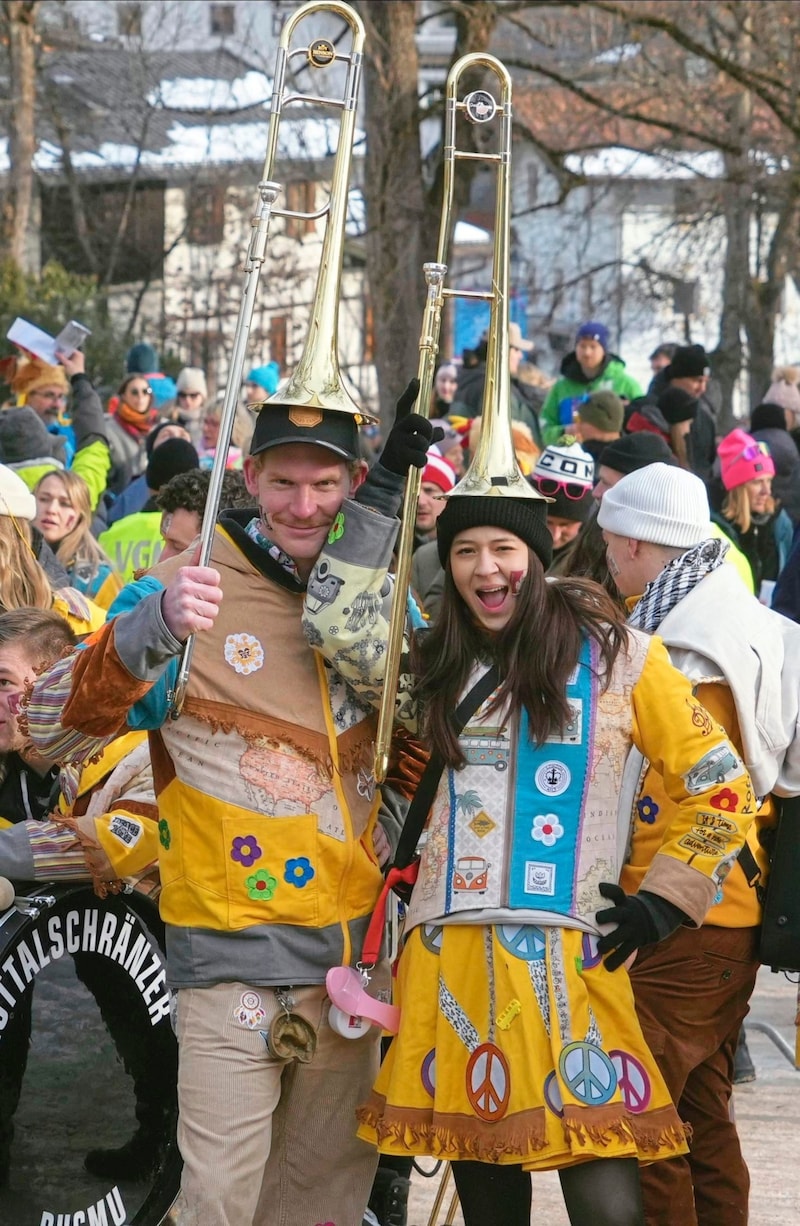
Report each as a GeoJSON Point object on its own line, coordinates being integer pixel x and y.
{"type": "Point", "coordinates": [494, 470]}
{"type": "Point", "coordinates": [316, 384]}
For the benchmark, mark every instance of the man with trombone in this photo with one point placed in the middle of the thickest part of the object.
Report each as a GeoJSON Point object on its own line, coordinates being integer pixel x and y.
{"type": "Point", "coordinates": [269, 845]}
{"type": "Point", "coordinates": [262, 757]}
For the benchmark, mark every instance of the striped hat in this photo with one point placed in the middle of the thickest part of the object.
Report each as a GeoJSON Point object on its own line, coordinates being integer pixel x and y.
{"type": "Point", "coordinates": [438, 472]}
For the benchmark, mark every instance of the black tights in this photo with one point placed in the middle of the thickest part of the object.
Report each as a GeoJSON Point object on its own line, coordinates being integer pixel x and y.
{"type": "Point", "coordinates": [603, 1192]}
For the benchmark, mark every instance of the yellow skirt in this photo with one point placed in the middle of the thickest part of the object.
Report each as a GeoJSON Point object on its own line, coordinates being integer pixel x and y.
{"type": "Point", "coordinates": [516, 1045]}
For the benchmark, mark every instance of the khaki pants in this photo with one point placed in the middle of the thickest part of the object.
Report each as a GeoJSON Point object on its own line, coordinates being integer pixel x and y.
{"type": "Point", "coordinates": [269, 1142]}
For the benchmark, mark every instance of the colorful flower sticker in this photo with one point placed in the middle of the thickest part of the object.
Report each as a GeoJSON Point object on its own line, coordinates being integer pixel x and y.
{"type": "Point", "coordinates": [246, 850]}
{"type": "Point", "coordinates": [298, 872]}
{"type": "Point", "coordinates": [546, 829]}
{"type": "Point", "coordinates": [725, 799]}
{"type": "Point", "coordinates": [647, 809]}
{"type": "Point", "coordinates": [164, 834]}
{"type": "Point", "coordinates": [261, 885]}
{"type": "Point", "coordinates": [244, 653]}
{"type": "Point", "coordinates": [337, 529]}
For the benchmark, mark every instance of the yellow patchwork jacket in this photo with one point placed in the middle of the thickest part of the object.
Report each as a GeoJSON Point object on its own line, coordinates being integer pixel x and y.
{"type": "Point", "coordinates": [265, 793]}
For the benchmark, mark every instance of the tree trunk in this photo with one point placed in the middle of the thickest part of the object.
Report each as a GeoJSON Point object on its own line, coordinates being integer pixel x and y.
{"type": "Point", "coordinates": [402, 218]}
{"type": "Point", "coordinates": [738, 207]}
{"type": "Point", "coordinates": [726, 360]}
{"type": "Point", "coordinates": [20, 22]}
{"type": "Point", "coordinates": [394, 195]}
{"type": "Point", "coordinates": [764, 299]}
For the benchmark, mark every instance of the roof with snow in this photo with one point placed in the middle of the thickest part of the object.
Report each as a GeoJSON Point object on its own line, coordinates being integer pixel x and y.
{"type": "Point", "coordinates": [617, 162]}
{"type": "Point", "coordinates": [165, 110]}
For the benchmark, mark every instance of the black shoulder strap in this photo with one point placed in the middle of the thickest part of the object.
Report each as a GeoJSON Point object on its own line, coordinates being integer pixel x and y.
{"type": "Point", "coordinates": [749, 865]}
{"type": "Point", "coordinates": [420, 806]}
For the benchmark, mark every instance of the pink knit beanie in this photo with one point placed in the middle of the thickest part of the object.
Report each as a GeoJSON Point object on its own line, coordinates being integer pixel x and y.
{"type": "Point", "coordinates": [742, 459]}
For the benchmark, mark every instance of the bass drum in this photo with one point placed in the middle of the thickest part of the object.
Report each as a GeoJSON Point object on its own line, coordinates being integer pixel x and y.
{"type": "Point", "coordinates": [88, 1061]}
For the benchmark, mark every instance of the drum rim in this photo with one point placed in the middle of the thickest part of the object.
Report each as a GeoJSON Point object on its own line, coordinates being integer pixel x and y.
{"type": "Point", "coordinates": [164, 1187]}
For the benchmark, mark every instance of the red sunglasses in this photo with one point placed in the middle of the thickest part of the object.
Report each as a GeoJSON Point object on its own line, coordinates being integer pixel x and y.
{"type": "Point", "coordinates": [550, 486]}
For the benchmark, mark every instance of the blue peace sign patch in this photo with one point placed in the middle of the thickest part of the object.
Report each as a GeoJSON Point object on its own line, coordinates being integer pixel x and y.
{"type": "Point", "coordinates": [588, 1073]}
{"type": "Point", "coordinates": [524, 941]}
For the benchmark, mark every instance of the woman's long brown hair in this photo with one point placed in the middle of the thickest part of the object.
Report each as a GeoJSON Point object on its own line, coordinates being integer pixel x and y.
{"type": "Point", "coordinates": [535, 653]}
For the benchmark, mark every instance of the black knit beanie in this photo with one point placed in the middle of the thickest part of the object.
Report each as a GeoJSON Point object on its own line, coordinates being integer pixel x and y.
{"type": "Point", "coordinates": [677, 405]}
{"type": "Point", "coordinates": [525, 517]}
{"type": "Point", "coordinates": [150, 440]}
{"type": "Point", "coordinates": [767, 416]}
{"type": "Point", "coordinates": [635, 451]}
{"type": "Point", "coordinates": [688, 362]}
{"type": "Point", "coordinates": [173, 457]}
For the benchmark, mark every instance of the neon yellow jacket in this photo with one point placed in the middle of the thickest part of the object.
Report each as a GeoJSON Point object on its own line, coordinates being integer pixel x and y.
{"type": "Point", "coordinates": [133, 543]}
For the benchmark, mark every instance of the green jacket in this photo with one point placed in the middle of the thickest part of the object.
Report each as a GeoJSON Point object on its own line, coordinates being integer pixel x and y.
{"type": "Point", "coordinates": [558, 410]}
{"type": "Point", "coordinates": [92, 463]}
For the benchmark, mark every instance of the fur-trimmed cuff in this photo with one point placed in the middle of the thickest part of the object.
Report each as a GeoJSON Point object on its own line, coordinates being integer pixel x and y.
{"type": "Point", "coordinates": [683, 886]}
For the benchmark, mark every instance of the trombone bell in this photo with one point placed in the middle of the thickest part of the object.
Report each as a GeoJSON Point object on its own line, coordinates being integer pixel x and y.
{"type": "Point", "coordinates": [316, 384]}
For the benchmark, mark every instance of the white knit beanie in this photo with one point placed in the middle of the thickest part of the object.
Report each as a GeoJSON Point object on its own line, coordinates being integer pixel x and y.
{"type": "Point", "coordinates": [661, 504]}
{"type": "Point", "coordinates": [566, 463]}
{"type": "Point", "coordinates": [193, 379]}
{"type": "Point", "coordinates": [15, 497]}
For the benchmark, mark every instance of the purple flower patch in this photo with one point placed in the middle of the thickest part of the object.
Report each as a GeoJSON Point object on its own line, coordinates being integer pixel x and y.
{"type": "Point", "coordinates": [246, 850]}
{"type": "Point", "coordinates": [298, 872]}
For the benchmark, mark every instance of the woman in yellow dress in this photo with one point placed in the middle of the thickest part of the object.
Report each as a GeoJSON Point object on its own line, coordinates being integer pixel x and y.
{"type": "Point", "coordinates": [519, 1047]}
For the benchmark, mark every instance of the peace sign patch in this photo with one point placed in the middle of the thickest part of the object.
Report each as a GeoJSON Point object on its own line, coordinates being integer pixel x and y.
{"type": "Point", "coordinates": [590, 958]}
{"type": "Point", "coordinates": [428, 1072]}
{"type": "Point", "coordinates": [431, 937]}
{"type": "Point", "coordinates": [588, 1073]}
{"type": "Point", "coordinates": [633, 1080]}
{"type": "Point", "coordinates": [524, 941]}
{"type": "Point", "coordinates": [488, 1082]}
{"type": "Point", "coordinates": [552, 1094]}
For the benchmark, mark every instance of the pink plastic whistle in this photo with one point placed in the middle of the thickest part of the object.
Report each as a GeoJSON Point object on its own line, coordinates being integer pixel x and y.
{"type": "Point", "coordinates": [346, 989]}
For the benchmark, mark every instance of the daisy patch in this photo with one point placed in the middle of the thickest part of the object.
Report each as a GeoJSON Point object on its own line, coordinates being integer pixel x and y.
{"type": "Point", "coordinates": [546, 829]}
{"type": "Point", "coordinates": [244, 653]}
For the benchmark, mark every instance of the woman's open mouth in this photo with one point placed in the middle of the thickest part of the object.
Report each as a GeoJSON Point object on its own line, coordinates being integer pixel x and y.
{"type": "Point", "coordinates": [492, 598]}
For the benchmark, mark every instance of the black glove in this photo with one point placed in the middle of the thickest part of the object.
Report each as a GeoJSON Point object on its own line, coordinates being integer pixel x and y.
{"type": "Point", "coordinates": [410, 436]}
{"type": "Point", "coordinates": [641, 919]}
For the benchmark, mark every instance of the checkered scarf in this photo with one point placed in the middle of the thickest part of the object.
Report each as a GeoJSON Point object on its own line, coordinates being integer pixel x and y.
{"type": "Point", "coordinates": [676, 580]}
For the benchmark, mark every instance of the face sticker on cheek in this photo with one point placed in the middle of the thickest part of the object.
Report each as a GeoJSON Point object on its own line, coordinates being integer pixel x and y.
{"type": "Point", "coordinates": [516, 580]}
{"type": "Point", "coordinates": [612, 565]}
{"type": "Point", "coordinates": [14, 702]}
